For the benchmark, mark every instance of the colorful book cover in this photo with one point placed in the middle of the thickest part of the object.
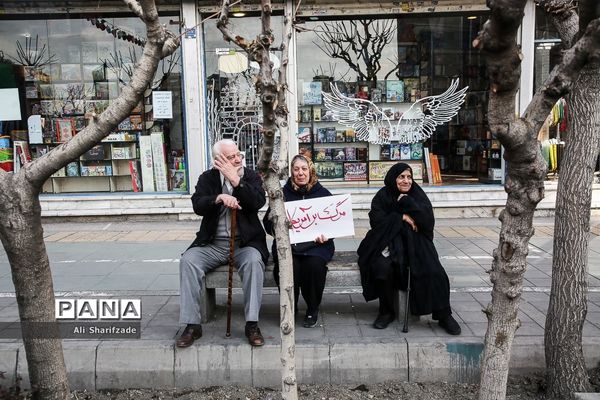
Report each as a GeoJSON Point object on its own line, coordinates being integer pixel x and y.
{"type": "Point", "coordinates": [350, 153]}
{"type": "Point", "coordinates": [134, 171]}
{"type": "Point", "coordinates": [304, 135]}
{"type": "Point", "coordinates": [177, 180]}
{"type": "Point", "coordinates": [338, 154]}
{"type": "Point", "coordinates": [320, 154]}
{"type": "Point", "coordinates": [416, 151]}
{"type": "Point", "coordinates": [384, 152]}
{"type": "Point", "coordinates": [405, 151]}
{"type": "Point", "coordinates": [394, 91]}
{"type": "Point", "coordinates": [350, 135]}
{"type": "Point", "coordinates": [72, 169]}
{"type": "Point", "coordinates": [395, 151]}
{"type": "Point", "coordinates": [311, 93]}
{"type": "Point", "coordinates": [340, 136]}
{"type": "Point", "coordinates": [331, 135]}
{"type": "Point", "coordinates": [321, 135]}
{"type": "Point", "coordinates": [65, 129]}
{"type": "Point", "coordinates": [329, 170]}
{"type": "Point", "coordinates": [355, 171]}
{"type": "Point", "coordinates": [316, 114]}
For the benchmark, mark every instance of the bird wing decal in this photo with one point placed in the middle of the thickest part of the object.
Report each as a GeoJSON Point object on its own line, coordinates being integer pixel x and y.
{"type": "Point", "coordinates": [363, 116]}
{"type": "Point", "coordinates": [421, 119]}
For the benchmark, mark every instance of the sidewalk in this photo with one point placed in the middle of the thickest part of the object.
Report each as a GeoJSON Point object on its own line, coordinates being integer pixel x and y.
{"type": "Point", "coordinates": [140, 260]}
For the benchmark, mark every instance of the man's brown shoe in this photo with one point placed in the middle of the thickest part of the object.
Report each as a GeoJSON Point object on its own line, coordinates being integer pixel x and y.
{"type": "Point", "coordinates": [188, 336]}
{"type": "Point", "coordinates": [255, 338]}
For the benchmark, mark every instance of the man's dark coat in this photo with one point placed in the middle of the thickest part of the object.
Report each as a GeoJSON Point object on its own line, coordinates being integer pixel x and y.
{"type": "Point", "coordinates": [251, 196]}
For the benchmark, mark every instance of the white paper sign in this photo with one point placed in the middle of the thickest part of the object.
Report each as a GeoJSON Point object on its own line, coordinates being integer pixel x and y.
{"type": "Point", "coordinates": [330, 216]}
{"type": "Point", "coordinates": [34, 127]}
{"type": "Point", "coordinates": [162, 105]}
{"type": "Point", "coordinates": [10, 106]}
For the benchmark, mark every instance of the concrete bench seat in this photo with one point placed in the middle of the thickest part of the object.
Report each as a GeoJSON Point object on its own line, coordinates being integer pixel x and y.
{"type": "Point", "coordinates": [342, 272]}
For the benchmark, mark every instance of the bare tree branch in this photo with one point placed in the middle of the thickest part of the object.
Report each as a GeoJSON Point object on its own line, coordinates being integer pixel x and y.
{"type": "Point", "coordinates": [135, 7]}
{"type": "Point", "coordinates": [223, 25]}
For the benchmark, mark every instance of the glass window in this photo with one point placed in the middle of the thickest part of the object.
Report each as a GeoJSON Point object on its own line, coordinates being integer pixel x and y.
{"type": "Point", "coordinates": [234, 109]}
{"type": "Point", "coordinates": [67, 70]}
{"type": "Point", "coordinates": [419, 56]}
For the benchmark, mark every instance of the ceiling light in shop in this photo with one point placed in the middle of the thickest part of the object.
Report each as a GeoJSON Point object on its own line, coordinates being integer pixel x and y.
{"type": "Point", "coordinates": [238, 14]}
{"type": "Point", "coordinates": [472, 17]}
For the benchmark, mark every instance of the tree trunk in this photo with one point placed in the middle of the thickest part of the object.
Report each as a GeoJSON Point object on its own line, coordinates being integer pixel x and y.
{"type": "Point", "coordinates": [20, 215]}
{"type": "Point", "coordinates": [275, 118]}
{"type": "Point", "coordinates": [565, 365]}
{"type": "Point", "coordinates": [23, 239]}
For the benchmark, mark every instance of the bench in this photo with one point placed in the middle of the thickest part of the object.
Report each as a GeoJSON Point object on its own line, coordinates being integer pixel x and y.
{"type": "Point", "coordinates": [343, 273]}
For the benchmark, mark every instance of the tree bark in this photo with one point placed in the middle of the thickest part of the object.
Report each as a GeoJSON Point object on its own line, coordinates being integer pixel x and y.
{"type": "Point", "coordinates": [21, 230]}
{"type": "Point", "coordinates": [275, 118]}
{"type": "Point", "coordinates": [526, 172]}
{"type": "Point", "coordinates": [565, 364]}
{"type": "Point", "coordinates": [22, 237]}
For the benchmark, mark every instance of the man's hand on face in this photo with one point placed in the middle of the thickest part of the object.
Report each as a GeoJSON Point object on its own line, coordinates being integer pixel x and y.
{"type": "Point", "coordinates": [229, 168]}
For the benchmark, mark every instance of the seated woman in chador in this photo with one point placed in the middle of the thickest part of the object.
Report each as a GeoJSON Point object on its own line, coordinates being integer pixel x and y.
{"type": "Point", "coordinates": [309, 258]}
{"type": "Point", "coordinates": [401, 237]}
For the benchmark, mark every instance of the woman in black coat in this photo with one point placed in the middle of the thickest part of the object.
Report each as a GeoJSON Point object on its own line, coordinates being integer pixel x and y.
{"type": "Point", "coordinates": [309, 258]}
{"type": "Point", "coordinates": [401, 237]}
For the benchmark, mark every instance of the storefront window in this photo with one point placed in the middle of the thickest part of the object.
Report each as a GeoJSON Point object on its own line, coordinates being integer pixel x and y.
{"type": "Point", "coordinates": [417, 57]}
{"type": "Point", "coordinates": [82, 65]}
{"type": "Point", "coordinates": [234, 109]}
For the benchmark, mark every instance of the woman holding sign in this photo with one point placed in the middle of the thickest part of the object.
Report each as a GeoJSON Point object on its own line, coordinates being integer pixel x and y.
{"type": "Point", "coordinates": [309, 258]}
{"type": "Point", "coordinates": [399, 247]}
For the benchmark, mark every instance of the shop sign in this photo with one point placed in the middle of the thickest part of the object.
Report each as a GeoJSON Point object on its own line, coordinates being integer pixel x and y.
{"type": "Point", "coordinates": [162, 104]}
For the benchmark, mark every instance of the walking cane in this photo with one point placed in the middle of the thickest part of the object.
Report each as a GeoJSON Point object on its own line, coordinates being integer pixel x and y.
{"type": "Point", "coordinates": [407, 308]}
{"type": "Point", "coordinates": [230, 274]}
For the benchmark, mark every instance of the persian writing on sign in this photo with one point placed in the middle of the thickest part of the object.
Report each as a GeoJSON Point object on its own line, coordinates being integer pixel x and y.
{"type": "Point", "coordinates": [330, 216]}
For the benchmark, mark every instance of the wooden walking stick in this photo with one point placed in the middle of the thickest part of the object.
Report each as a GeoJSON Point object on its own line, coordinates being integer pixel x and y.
{"type": "Point", "coordinates": [230, 274]}
{"type": "Point", "coordinates": [406, 307]}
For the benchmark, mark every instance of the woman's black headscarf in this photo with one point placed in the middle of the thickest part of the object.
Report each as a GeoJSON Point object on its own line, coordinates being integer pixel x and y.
{"type": "Point", "coordinates": [415, 190]}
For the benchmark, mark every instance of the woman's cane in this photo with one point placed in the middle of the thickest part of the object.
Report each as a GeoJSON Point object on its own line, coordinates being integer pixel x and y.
{"type": "Point", "coordinates": [407, 308]}
{"type": "Point", "coordinates": [230, 275]}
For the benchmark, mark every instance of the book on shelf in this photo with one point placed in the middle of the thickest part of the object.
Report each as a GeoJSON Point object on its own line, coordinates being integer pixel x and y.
{"type": "Point", "coordinates": [350, 153]}
{"type": "Point", "coordinates": [320, 154]}
{"type": "Point", "coordinates": [306, 116]}
{"type": "Point", "coordinates": [304, 135]}
{"type": "Point", "coordinates": [147, 163]}
{"type": "Point", "coordinates": [329, 170]}
{"type": "Point", "coordinates": [350, 135]}
{"type": "Point", "coordinates": [121, 153]}
{"type": "Point", "coordinates": [435, 169]}
{"type": "Point", "coordinates": [134, 171]}
{"type": "Point", "coordinates": [394, 91]}
{"type": "Point", "coordinates": [21, 154]}
{"type": "Point", "coordinates": [316, 114]}
{"type": "Point", "coordinates": [428, 165]}
{"type": "Point", "coordinates": [330, 135]}
{"type": "Point", "coordinates": [340, 136]}
{"type": "Point", "coordinates": [321, 136]}
{"type": "Point", "coordinates": [385, 152]}
{"type": "Point", "coordinates": [394, 152]}
{"type": "Point", "coordinates": [65, 129]}
{"type": "Point", "coordinates": [72, 169]}
{"type": "Point", "coordinates": [338, 154]}
{"type": "Point", "coordinates": [355, 171]}
{"type": "Point", "coordinates": [31, 92]}
{"type": "Point", "coordinates": [376, 95]}
{"type": "Point", "coordinates": [177, 180]}
{"type": "Point", "coordinates": [405, 151]}
{"type": "Point", "coordinates": [416, 151]}
{"type": "Point", "coordinates": [159, 161]}
{"type": "Point", "coordinates": [96, 153]}
{"type": "Point", "coordinates": [311, 93]}
{"type": "Point", "coordinates": [305, 151]}
{"type": "Point", "coordinates": [411, 87]}
{"type": "Point", "coordinates": [362, 153]}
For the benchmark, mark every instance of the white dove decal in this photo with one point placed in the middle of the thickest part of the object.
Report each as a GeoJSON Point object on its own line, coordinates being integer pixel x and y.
{"type": "Point", "coordinates": [415, 125]}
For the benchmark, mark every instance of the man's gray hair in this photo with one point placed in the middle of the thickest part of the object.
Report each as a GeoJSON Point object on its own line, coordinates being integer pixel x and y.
{"type": "Point", "coordinates": [216, 149]}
